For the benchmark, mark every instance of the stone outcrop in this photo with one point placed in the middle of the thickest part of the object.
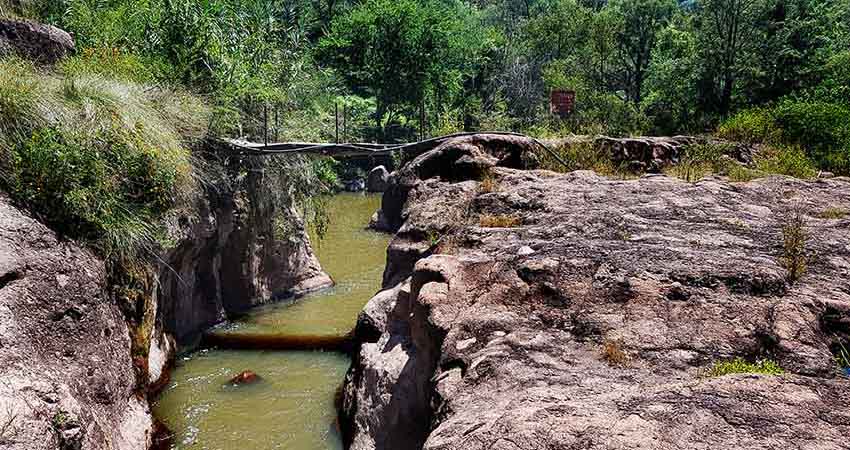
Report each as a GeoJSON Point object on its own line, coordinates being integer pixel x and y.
{"type": "Point", "coordinates": [41, 43]}
{"type": "Point", "coordinates": [592, 323]}
{"type": "Point", "coordinates": [378, 179]}
{"type": "Point", "coordinates": [67, 380]}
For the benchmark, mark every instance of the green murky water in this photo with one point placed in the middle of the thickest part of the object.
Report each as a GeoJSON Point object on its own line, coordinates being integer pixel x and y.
{"type": "Point", "coordinates": [292, 407]}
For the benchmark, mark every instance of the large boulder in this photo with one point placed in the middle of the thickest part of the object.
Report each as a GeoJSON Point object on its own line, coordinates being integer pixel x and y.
{"type": "Point", "coordinates": [66, 375]}
{"type": "Point", "coordinates": [38, 42]}
{"type": "Point", "coordinates": [592, 320]}
{"type": "Point", "coordinates": [378, 179]}
{"type": "Point", "coordinates": [468, 157]}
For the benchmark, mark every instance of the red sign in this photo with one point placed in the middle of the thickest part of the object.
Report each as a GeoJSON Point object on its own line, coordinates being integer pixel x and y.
{"type": "Point", "coordinates": [562, 102]}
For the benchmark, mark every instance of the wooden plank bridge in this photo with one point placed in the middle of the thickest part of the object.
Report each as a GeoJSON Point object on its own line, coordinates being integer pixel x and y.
{"type": "Point", "coordinates": [361, 150]}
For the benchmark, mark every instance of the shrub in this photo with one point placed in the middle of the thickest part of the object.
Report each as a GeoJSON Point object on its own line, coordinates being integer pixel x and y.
{"type": "Point", "coordinates": [499, 221]}
{"type": "Point", "coordinates": [752, 126]}
{"type": "Point", "coordinates": [739, 365]}
{"type": "Point", "coordinates": [786, 160]}
{"type": "Point", "coordinates": [820, 130]}
{"type": "Point", "coordinates": [823, 129]}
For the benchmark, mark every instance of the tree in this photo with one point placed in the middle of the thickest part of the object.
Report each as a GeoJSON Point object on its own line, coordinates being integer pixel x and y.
{"type": "Point", "coordinates": [672, 78]}
{"type": "Point", "coordinates": [395, 51]}
{"type": "Point", "coordinates": [727, 29]}
{"type": "Point", "coordinates": [640, 22]}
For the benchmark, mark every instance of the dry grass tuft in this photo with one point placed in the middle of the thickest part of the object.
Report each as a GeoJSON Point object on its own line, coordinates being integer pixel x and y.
{"type": "Point", "coordinates": [794, 237]}
{"type": "Point", "coordinates": [499, 221]}
{"type": "Point", "coordinates": [613, 354]}
{"type": "Point", "coordinates": [834, 213]}
{"type": "Point", "coordinates": [488, 184]}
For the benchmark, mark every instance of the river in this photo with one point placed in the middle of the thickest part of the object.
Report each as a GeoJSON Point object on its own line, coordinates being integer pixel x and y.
{"type": "Point", "coordinates": [293, 406]}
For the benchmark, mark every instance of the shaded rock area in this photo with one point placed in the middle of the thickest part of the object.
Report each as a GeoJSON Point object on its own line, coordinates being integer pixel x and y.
{"type": "Point", "coordinates": [592, 323]}
{"type": "Point", "coordinates": [229, 257]}
{"type": "Point", "coordinates": [67, 379]}
{"type": "Point", "coordinates": [38, 42]}
{"type": "Point", "coordinates": [378, 179]}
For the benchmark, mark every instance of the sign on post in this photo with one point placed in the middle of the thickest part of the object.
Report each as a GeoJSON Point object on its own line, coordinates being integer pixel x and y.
{"type": "Point", "coordinates": [562, 102]}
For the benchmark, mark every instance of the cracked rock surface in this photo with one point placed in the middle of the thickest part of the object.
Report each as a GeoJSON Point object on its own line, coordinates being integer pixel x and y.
{"type": "Point", "coordinates": [66, 376]}
{"type": "Point", "coordinates": [495, 338]}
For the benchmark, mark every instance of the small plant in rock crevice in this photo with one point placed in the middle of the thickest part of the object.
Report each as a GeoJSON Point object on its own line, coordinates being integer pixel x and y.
{"type": "Point", "coordinates": [433, 238]}
{"type": "Point", "coordinates": [842, 359]}
{"type": "Point", "coordinates": [794, 237]}
{"type": "Point", "coordinates": [740, 365]}
{"type": "Point", "coordinates": [62, 420]}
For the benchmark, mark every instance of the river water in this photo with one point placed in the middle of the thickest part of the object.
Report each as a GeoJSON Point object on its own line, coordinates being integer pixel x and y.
{"type": "Point", "coordinates": [293, 406]}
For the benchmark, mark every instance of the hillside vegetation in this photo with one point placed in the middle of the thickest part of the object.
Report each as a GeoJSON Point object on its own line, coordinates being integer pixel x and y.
{"type": "Point", "coordinates": [100, 144]}
{"type": "Point", "coordinates": [99, 158]}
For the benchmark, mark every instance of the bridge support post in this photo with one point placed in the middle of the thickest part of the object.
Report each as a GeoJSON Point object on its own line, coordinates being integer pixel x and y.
{"type": "Point", "coordinates": [266, 124]}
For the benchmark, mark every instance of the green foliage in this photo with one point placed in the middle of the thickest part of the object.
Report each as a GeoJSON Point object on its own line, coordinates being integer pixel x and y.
{"type": "Point", "coordinates": [755, 125]}
{"type": "Point", "coordinates": [699, 160]}
{"type": "Point", "coordinates": [823, 129]}
{"type": "Point", "coordinates": [397, 52]}
{"type": "Point", "coordinates": [98, 159]}
{"type": "Point", "coordinates": [842, 356]}
{"type": "Point", "coordinates": [789, 160]}
{"type": "Point", "coordinates": [739, 365]}
{"type": "Point", "coordinates": [596, 111]}
{"type": "Point", "coordinates": [820, 129]}
{"type": "Point", "coordinates": [834, 213]}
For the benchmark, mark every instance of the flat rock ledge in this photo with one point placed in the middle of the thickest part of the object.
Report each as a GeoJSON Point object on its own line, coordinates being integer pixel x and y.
{"type": "Point", "coordinates": [591, 322]}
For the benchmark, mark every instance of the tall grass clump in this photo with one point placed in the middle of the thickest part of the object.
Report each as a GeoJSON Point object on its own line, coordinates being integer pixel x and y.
{"type": "Point", "coordinates": [699, 160]}
{"type": "Point", "coordinates": [100, 159]}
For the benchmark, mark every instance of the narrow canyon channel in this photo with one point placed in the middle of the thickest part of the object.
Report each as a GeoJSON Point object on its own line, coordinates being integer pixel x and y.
{"type": "Point", "coordinates": [292, 407]}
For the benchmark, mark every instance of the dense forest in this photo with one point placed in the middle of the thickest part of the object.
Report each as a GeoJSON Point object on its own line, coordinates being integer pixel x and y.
{"type": "Point", "coordinates": [638, 66]}
{"type": "Point", "coordinates": [150, 76]}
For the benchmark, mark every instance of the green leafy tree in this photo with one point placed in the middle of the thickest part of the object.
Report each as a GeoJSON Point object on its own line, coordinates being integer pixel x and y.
{"type": "Point", "coordinates": [727, 30]}
{"type": "Point", "coordinates": [672, 78]}
{"type": "Point", "coordinates": [641, 20]}
{"type": "Point", "coordinates": [395, 51]}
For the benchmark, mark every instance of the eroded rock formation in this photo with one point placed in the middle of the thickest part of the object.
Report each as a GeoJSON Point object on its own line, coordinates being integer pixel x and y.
{"type": "Point", "coordinates": [230, 256]}
{"type": "Point", "coordinates": [503, 338]}
{"type": "Point", "coordinates": [80, 351]}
